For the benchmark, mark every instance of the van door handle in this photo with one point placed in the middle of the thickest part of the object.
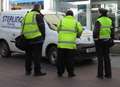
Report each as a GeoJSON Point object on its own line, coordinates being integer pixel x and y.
{"type": "Point", "coordinates": [12, 41]}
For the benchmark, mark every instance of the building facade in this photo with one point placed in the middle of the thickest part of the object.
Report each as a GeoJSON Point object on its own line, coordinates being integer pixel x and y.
{"type": "Point", "coordinates": [86, 11]}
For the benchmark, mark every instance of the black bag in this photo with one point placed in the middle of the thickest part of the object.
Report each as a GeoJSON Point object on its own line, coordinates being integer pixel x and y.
{"type": "Point", "coordinates": [20, 42]}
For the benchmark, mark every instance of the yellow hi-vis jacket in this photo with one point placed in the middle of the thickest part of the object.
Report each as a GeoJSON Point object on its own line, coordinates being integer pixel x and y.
{"type": "Point", "coordinates": [68, 28]}
{"type": "Point", "coordinates": [105, 28]}
{"type": "Point", "coordinates": [30, 27]}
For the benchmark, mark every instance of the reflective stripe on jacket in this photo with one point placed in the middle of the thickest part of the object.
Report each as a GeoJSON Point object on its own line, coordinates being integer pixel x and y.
{"type": "Point", "coordinates": [105, 28]}
{"type": "Point", "coordinates": [30, 27]}
{"type": "Point", "coordinates": [68, 29]}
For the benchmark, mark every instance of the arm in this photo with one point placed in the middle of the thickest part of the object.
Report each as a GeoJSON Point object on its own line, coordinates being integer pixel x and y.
{"type": "Point", "coordinates": [79, 29]}
{"type": "Point", "coordinates": [96, 31]}
{"type": "Point", "coordinates": [41, 24]}
{"type": "Point", "coordinates": [112, 31]}
{"type": "Point", "coordinates": [22, 23]}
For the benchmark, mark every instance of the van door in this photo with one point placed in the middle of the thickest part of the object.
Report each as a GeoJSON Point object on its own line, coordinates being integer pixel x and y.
{"type": "Point", "coordinates": [10, 28]}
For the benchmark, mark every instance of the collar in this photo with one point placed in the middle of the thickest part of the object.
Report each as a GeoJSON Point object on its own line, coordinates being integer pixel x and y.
{"type": "Point", "coordinates": [71, 17]}
{"type": "Point", "coordinates": [35, 10]}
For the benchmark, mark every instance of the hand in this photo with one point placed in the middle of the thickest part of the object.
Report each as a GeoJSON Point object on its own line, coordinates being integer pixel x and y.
{"type": "Point", "coordinates": [96, 39]}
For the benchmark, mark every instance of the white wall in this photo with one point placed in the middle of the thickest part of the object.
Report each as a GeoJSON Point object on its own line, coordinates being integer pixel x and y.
{"type": "Point", "coordinates": [49, 4]}
{"type": "Point", "coordinates": [0, 5]}
{"type": "Point", "coordinates": [6, 5]}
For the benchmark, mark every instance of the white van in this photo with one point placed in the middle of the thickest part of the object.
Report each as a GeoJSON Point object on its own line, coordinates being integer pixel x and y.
{"type": "Point", "coordinates": [10, 28]}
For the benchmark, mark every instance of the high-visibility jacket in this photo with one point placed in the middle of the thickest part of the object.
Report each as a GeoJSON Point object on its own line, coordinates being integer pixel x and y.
{"type": "Point", "coordinates": [105, 28]}
{"type": "Point", "coordinates": [68, 28]}
{"type": "Point", "coordinates": [30, 27]}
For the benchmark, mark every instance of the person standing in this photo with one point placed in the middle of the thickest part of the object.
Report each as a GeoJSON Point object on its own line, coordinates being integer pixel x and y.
{"type": "Point", "coordinates": [68, 30]}
{"type": "Point", "coordinates": [33, 29]}
{"type": "Point", "coordinates": [103, 35]}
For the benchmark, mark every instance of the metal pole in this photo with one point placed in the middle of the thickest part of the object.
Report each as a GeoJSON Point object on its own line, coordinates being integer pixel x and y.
{"type": "Point", "coordinates": [116, 15]}
{"type": "Point", "coordinates": [88, 15]}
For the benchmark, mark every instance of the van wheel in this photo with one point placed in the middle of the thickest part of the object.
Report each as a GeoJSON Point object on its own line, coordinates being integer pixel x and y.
{"type": "Point", "coordinates": [52, 55]}
{"type": "Point", "coordinates": [4, 49]}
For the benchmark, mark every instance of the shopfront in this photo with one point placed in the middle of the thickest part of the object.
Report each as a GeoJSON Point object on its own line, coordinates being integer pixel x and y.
{"type": "Point", "coordinates": [81, 9]}
{"type": "Point", "coordinates": [86, 11]}
{"type": "Point", "coordinates": [113, 10]}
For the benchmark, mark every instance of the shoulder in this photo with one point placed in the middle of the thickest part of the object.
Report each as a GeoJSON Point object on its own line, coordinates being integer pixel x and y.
{"type": "Point", "coordinates": [40, 14]}
{"type": "Point", "coordinates": [99, 18]}
{"type": "Point", "coordinates": [110, 18]}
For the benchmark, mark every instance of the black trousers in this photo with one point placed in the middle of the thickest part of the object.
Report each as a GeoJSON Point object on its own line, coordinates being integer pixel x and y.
{"type": "Point", "coordinates": [65, 60]}
{"type": "Point", "coordinates": [104, 63]}
{"type": "Point", "coordinates": [33, 56]}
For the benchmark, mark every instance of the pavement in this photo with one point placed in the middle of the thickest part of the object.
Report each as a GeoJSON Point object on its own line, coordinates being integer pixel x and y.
{"type": "Point", "coordinates": [12, 75]}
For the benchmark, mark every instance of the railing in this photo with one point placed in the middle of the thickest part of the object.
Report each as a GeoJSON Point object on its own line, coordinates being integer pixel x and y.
{"type": "Point", "coordinates": [117, 41]}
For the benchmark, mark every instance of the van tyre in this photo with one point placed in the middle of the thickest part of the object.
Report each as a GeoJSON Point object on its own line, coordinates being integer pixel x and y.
{"type": "Point", "coordinates": [52, 54]}
{"type": "Point", "coordinates": [4, 49]}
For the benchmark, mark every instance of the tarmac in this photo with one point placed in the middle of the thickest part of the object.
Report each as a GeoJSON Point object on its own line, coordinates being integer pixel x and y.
{"type": "Point", "coordinates": [12, 75]}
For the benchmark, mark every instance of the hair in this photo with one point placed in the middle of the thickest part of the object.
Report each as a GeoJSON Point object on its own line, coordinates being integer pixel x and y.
{"type": "Point", "coordinates": [69, 12]}
{"type": "Point", "coordinates": [103, 11]}
{"type": "Point", "coordinates": [36, 6]}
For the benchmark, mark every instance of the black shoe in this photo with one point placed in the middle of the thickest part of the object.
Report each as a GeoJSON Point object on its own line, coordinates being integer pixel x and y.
{"type": "Point", "coordinates": [28, 73]}
{"type": "Point", "coordinates": [100, 77]}
{"type": "Point", "coordinates": [39, 74]}
{"type": "Point", "coordinates": [108, 77]}
{"type": "Point", "coordinates": [59, 75]}
{"type": "Point", "coordinates": [71, 75]}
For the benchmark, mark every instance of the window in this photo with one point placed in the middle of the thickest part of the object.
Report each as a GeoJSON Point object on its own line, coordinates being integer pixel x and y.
{"type": "Point", "coordinates": [82, 14]}
{"type": "Point", "coordinates": [52, 20]}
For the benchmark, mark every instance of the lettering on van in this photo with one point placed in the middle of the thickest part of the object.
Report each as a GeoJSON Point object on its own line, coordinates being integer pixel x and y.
{"type": "Point", "coordinates": [12, 20]}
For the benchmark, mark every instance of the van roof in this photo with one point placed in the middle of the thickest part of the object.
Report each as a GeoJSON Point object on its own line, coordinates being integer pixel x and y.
{"type": "Point", "coordinates": [23, 11]}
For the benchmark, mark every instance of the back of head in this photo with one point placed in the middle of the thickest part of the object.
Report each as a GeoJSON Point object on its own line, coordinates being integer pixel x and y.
{"type": "Point", "coordinates": [36, 6]}
{"type": "Point", "coordinates": [103, 11]}
{"type": "Point", "coordinates": [69, 13]}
